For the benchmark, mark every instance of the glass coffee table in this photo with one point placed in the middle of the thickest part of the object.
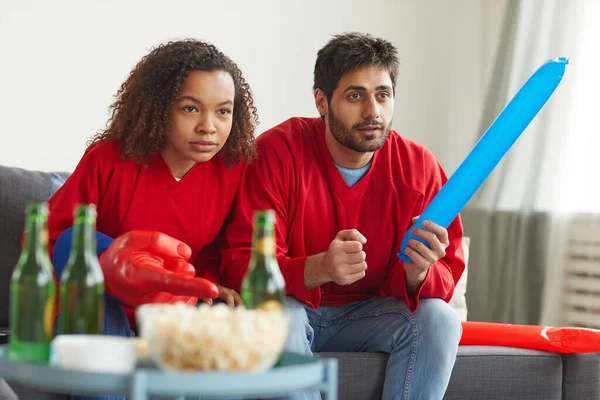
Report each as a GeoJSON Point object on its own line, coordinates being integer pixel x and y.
{"type": "Point", "coordinates": [296, 372]}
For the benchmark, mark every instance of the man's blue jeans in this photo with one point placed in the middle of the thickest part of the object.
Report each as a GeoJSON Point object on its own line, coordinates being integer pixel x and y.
{"type": "Point", "coordinates": [422, 345]}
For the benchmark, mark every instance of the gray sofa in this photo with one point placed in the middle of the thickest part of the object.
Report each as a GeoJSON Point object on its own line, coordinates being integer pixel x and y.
{"type": "Point", "coordinates": [480, 372]}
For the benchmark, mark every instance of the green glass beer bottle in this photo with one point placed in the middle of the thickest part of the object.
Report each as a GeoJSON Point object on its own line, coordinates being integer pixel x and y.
{"type": "Point", "coordinates": [32, 292]}
{"type": "Point", "coordinates": [82, 281]}
{"type": "Point", "coordinates": [263, 286]}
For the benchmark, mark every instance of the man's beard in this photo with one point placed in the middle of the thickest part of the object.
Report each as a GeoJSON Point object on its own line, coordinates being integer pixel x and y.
{"type": "Point", "coordinates": [350, 139]}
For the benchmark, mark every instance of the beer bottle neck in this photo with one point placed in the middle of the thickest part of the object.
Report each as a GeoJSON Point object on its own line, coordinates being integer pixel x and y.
{"type": "Point", "coordinates": [36, 238]}
{"type": "Point", "coordinates": [84, 235]}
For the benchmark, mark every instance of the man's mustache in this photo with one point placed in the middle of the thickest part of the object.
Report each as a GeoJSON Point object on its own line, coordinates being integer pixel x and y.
{"type": "Point", "coordinates": [370, 123]}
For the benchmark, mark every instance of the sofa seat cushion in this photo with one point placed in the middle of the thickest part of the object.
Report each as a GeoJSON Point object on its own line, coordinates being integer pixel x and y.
{"type": "Point", "coordinates": [480, 372]}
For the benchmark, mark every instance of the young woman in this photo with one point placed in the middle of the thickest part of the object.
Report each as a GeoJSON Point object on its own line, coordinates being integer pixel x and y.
{"type": "Point", "coordinates": [163, 176]}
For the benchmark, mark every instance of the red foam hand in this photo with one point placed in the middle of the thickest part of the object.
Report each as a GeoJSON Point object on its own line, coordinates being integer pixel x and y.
{"type": "Point", "coordinates": [143, 267]}
{"type": "Point", "coordinates": [558, 340]}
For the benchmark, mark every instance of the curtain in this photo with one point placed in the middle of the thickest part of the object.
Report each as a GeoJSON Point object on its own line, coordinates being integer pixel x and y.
{"type": "Point", "coordinates": [514, 220]}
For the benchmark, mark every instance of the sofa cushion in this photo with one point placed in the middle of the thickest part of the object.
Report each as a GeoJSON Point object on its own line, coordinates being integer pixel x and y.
{"type": "Point", "coordinates": [18, 187]}
{"type": "Point", "coordinates": [480, 372]}
{"type": "Point", "coordinates": [488, 372]}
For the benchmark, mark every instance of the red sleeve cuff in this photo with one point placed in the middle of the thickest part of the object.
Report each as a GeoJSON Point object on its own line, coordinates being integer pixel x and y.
{"type": "Point", "coordinates": [397, 286]}
{"type": "Point", "coordinates": [413, 301]}
{"type": "Point", "coordinates": [293, 273]}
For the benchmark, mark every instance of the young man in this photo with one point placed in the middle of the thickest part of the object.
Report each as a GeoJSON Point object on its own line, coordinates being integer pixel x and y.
{"type": "Point", "coordinates": [345, 189]}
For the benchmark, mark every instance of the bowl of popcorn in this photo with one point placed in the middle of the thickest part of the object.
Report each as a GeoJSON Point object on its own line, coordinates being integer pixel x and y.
{"type": "Point", "coordinates": [180, 337]}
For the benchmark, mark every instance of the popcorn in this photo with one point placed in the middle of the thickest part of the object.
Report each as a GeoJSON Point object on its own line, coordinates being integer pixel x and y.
{"type": "Point", "coordinates": [218, 338]}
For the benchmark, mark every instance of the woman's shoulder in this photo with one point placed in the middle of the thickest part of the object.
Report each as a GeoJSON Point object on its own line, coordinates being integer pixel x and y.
{"type": "Point", "coordinates": [104, 151]}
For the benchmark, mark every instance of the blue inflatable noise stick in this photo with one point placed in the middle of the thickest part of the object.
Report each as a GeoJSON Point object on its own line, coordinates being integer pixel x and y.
{"type": "Point", "coordinates": [490, 149]}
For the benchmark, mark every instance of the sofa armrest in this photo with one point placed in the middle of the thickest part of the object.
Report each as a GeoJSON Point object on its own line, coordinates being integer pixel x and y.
{"type": "Point", "coordinates": [4, 334]}
{"type": "Point", "coordinates": [581, 376]}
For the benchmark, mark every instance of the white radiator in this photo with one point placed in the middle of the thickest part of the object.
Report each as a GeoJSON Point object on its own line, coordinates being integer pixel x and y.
{"type": "Point", "coordinates": [582, 273]}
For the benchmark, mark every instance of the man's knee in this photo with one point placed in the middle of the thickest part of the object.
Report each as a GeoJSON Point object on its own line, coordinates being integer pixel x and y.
{"type": "Point", "coordinates": [300, 334]}
{"type": "Point", "coordinates": [438, 319]}
{"type": "Point", "coordinates": [295, 309]}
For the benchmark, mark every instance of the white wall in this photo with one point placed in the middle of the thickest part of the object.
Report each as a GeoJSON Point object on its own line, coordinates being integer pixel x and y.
{"type": "Point", "coordinates": [62, 61]}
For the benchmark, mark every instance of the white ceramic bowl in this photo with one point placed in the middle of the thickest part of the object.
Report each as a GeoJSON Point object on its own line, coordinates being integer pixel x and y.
{"type": "Point", "coordinates": [217, 338]}
{"type": "Point", "coordinates": [95, 353]}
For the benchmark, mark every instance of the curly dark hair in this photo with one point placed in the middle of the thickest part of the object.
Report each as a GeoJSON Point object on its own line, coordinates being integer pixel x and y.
{"type": "Point", "coordinates": [140, 114]}
{"type": "Point", "coordinates": [348, 52]}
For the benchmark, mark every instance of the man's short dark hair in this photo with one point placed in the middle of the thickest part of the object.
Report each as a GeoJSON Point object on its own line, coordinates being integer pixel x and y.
{"type": "Point", "coordinates": [348, 52]}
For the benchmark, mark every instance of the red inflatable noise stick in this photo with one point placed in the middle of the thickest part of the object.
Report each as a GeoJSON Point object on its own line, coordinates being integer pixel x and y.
{"type": "Point", "coordinates": [557, 340]}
